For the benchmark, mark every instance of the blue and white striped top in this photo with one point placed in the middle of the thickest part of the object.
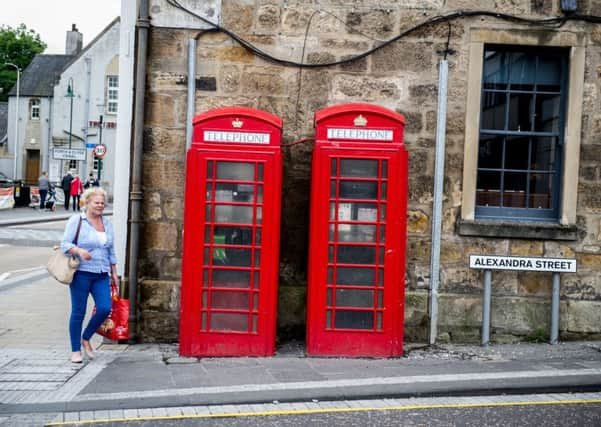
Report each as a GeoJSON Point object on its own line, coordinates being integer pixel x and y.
{"type": "Point", "coordinates": [103, 255]}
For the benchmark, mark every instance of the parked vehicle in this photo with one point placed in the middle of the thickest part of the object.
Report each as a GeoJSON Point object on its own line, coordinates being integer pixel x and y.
{"type": "Point", "coordinates": [5, 181]}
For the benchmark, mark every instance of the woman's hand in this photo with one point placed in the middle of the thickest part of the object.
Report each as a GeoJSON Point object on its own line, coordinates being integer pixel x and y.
{"type": "Point", "coordinates": [83, 254]}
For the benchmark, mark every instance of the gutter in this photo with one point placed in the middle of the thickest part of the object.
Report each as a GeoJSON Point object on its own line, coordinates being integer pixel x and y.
{"type": "Point", "coordinates": [136, 194]}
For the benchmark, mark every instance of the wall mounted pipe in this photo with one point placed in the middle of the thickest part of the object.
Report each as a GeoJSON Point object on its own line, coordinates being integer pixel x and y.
{"type": "Point", "coordinates": [443, 80]}
{"type": "Point", "coordinates": [191, 91]}
{"type": "Point", "coordinates": [136, 195]}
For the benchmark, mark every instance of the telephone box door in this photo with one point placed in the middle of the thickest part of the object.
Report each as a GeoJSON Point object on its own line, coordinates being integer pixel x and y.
{"type": "Point", "coordinates": [357, 238]}
{"type": "Point", "coordinates": [231, 241]}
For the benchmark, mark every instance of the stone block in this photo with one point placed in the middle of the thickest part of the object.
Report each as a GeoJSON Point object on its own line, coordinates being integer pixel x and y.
{"type": "Point", "coordinates": [377, 23]}
{"type": "Point", "coordinates": [167, 143]}
{"type": "Point", "coordinates": [357, 65]}
{"type": "Point", "coordinates": [165, 109]}
{"type": "Point", "coordinates": [174, 209]}
{"type": "Point", "coordinates": [152, 206]}
{"type": "Point", "coordinates": [419, 162]}
{"type": "Point", "coordinates": [592, 261]}
{"type": "Point", "coordinates": [351, 87]}
{"type": "Point", "coordinates": [532, 283]}
{"type": "Point", "coordinates": [235, 54]}
{"type": "Point", "coordinates": [413, 122]}
{"type": "Point", "coordinates": [166, 176]}
{"type": "Point", "coordinates": [542, 7]}
{"type": "Point", "coordinates": [159, 327]}
{"type": "Point", "coordinates": [237, 17]}
{"type": "Point", "coordinates": [160, 296]}
{"type": "Point", "coordinates": [420, 188]}
{"type": "Point", "coordinates": [459, 311]}
{"type": "Point", "coordinates": [460, 280]}
{"type": "Point", "coordinates": [558, 250]}
{"type": "Point", "coordinates": [171, 267]}
{"type": "Point", "coordinates": [161, 80]}
{"type": "Point", "coordinates": [584, 316]}
{"type": "Point", "coordinates": [162, 236]}
{"type": "Point", "coordinates": [581, 286]}
{"type": "Point", "coordinates": [268, 18]}
{"type": "Point", "coordinates": [418, 275]}
{"type": "Point", "coordinates": [418, 249]}
{"type": "Point", "coordinates": [165, 43]}
{"type": "Point", "coordinates": [417, 222]}
{"type": "Point", "coordinates": [526, 248]}
{"type": "Point", "coordinates": [292, 302]}
{"type": "Point", "coordinates": [416, 317]}
{"type": "Point", "coordinates": [519, 316]}
{"type": "Point", "coordinates": [404, 56]}
{"type": "Point", "coordinates": [262, 81]}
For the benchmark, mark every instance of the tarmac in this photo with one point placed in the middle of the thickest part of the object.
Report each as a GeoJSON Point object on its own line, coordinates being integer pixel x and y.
{"type": "Point", "coordinates": [38, 385]}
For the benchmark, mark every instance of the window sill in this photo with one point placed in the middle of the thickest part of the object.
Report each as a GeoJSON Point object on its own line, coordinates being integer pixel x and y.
{"type": "Point", "coordinates": [517, 230]}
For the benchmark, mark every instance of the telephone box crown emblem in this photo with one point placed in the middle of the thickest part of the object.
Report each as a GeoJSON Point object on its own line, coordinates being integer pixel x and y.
{"type": "Point", "coordinates": [360, 121]}
{"type": "Point", "coordinates": [237, 123]}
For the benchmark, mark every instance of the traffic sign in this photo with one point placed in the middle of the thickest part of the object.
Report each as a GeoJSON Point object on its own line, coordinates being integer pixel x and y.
{"type": "Point", "coordinates": [100, 150]}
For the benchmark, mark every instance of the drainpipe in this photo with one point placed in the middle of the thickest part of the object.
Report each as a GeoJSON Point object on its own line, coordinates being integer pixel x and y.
{"type": "Point", "coordinates": [86, 112]}
{"type": "Point", "coordinates": [443, 78]}
{"type": "Point", "coordinates": [46, 159]}
{"type": "Point", "coordinates": [191, 91]}
{"type": "Point", "coordinates": [135, 195]}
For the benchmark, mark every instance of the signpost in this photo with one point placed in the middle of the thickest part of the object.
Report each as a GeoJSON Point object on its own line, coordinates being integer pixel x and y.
{"type": "Point", "coordinates": [68, 154]}
{"type": "Point", "coordinates": [495, 262]}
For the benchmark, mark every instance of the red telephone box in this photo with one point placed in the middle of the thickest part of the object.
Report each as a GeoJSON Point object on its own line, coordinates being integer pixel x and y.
{"type": "Point", "coordinates": [357, 233]}
{"type": "Point", "coordinates": [231, 234]}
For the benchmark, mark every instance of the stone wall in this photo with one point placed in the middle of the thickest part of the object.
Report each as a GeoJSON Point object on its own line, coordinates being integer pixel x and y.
{"type": "Point", "coordinates": [402, 76]}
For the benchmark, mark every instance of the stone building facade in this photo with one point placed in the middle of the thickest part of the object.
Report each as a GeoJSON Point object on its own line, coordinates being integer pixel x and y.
{"type": "Point", "coordinates": [402, 76]}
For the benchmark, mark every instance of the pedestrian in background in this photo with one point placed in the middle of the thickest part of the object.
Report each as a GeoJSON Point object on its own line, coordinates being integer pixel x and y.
{"type": "Point", "coordinates": [91, 182]}
{"type": "Point", "coordinates": [98, 264]}
{"type": "Point", "coordinates": [66, 186]}
{"type": "Point", "coordinates": [76, 190]}
{"type": "Point", "coordinates": [44, 187]}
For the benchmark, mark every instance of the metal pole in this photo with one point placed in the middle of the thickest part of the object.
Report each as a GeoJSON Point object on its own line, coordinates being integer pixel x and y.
{"type": "Point", "coordinates": [437, 202]}
{"type": "Point", "coordinates": [100, 124]}
{"type": "Point", "coordinates": [191, 90]}
{"type": "Point", "coordinates": [555, 310]}
{"type": "Point", "coordinates": [486, 308]}
{"type": "Point", "coordinates": [16, 118]}
{"type": "Point", "coordinates": [70, 95]}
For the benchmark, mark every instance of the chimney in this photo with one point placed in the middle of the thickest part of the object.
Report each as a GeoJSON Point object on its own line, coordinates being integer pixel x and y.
{"type": "Point", "coordinates": [74, 41]}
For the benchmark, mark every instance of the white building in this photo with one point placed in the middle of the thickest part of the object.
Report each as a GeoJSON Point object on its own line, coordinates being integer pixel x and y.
{"type": "Point", "coordinates": [58, 132]}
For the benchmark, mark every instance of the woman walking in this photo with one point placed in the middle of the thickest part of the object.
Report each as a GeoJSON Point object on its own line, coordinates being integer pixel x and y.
{"type": "Point", "coordinates": [76, 190]}
{"type": "Point", "coordinates": [90, 237]}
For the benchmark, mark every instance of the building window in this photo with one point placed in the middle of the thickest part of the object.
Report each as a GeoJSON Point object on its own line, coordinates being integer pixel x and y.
{"type": "Point", "coordinates": [521, 133]}
{"type": "Point", "coordinates": [73, 164]}
{"type": "Point", "coordinates": [34, 109]}
{"type": "Point", "coordinates": [112, 94]}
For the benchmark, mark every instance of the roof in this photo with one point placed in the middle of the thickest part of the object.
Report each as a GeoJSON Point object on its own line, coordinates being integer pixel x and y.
{"type": "Point", "coordinates": [3, 119]}
{"type": "Point", "coordinates": [40, 76]}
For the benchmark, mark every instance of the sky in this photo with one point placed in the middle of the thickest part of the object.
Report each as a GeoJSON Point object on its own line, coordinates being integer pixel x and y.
{"type": "Point", "coordinates": [51, 19]}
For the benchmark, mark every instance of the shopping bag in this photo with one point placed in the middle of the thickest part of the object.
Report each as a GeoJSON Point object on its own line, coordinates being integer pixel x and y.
{"type": "Point", "coordinates": [116, 326]}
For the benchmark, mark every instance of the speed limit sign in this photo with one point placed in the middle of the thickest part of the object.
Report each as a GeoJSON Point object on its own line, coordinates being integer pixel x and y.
{"type": "Point", "coordinates": [99, 150]}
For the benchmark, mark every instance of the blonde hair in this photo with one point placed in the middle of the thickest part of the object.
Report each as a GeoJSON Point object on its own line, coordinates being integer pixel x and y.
{"type": "Point", "coordinates": [92, 191]}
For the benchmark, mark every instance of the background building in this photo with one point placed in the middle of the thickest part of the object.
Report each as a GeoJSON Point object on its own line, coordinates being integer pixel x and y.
{"type": "Point", "coordinates": [49, 117]}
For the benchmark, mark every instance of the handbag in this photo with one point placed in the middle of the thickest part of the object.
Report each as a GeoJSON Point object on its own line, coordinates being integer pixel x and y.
{"type": "Point", "coordinates": [63, 266]}
{"type": "Point", "coordinates": [116, 326]}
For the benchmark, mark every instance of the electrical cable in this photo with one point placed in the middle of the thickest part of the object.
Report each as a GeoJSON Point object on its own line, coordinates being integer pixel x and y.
{"type": "Point", "coordinates": [555, 22]}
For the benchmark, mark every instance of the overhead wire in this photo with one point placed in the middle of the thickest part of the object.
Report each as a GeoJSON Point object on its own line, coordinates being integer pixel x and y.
{"type": "Point", "coordinates": [555, 22]}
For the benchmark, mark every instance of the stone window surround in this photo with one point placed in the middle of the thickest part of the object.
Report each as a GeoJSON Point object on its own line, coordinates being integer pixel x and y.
{"type": "Point", "coordinates": [34, 109]}
{"type": "Point", "coordinates": [565, 228]}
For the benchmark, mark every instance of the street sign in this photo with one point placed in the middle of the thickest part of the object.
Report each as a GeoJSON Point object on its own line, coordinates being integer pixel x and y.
{"type": "Point", "coordinates": [495, 262]}
{"type": "Point", "coordinates": [100, 150]}
{"type": "Point", "coordinates": [68, 154]}
{"type": "Point", "coordinates": [90, 145]}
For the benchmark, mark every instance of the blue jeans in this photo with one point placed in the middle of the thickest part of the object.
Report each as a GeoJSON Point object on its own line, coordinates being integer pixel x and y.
{"type": "Point", "coordinates": [82, 285]}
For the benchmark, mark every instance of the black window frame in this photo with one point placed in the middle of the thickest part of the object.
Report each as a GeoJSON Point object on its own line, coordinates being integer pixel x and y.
{"type": "Point", "coordinates": [524, 213]}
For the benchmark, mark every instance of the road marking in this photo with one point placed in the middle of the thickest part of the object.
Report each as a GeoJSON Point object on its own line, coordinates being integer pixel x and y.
{"type": "Point", "coordinates": [359, 406]}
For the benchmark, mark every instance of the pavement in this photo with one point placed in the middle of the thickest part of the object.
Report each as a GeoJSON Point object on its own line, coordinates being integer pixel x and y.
{"type": "Point", "coordinates": [39, 386]}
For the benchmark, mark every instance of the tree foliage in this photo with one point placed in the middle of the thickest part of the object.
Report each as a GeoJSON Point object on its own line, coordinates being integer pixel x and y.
{"type": "Point", "coordinates": [17, 46]}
